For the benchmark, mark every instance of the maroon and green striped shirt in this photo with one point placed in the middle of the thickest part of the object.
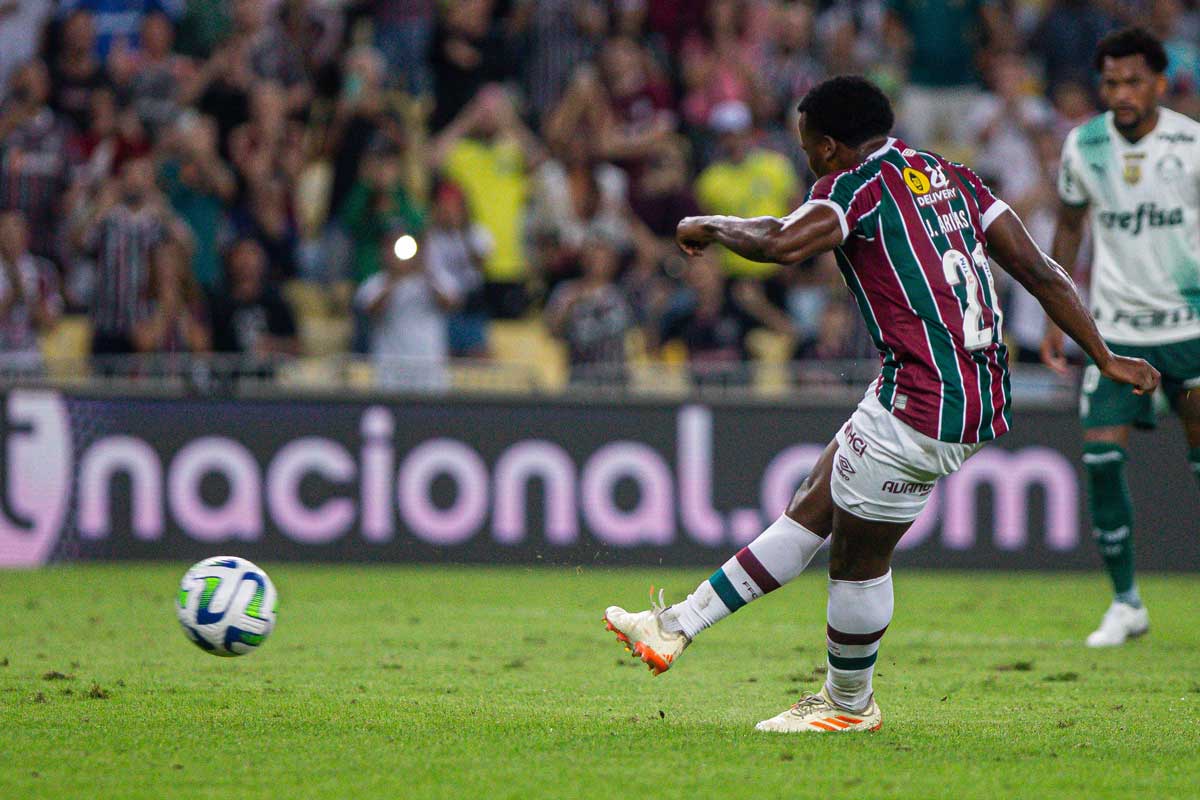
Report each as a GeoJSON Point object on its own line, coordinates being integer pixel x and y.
{"type": "Point", "coordinates": [915, 258]}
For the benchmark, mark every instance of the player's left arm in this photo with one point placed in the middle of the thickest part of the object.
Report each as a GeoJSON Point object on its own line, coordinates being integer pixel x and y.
{"type": "Point", "coordinates": [1010, 244]}
{"type": "Point", "coordinates": [808, 231]}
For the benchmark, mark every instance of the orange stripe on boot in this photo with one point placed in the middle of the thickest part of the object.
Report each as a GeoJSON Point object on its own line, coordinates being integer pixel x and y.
{"type": "Point", "coordinates": [822, 726]}
{"type": "Point", "coordinates": [837, 723]}
{"type": "Point", "coordinates": [851, 720]}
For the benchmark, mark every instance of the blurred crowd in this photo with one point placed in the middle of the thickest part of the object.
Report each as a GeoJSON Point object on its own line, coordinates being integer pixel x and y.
{"type": "Point", "coordinates": [168, 168]}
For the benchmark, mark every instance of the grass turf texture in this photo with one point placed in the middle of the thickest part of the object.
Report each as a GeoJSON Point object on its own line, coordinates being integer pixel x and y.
{"type": "Point", "coordinates": [476, 682]}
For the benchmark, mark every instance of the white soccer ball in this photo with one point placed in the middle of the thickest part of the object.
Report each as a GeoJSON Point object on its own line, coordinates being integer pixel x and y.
{"type": "Point", "coordinates": [226, 606]}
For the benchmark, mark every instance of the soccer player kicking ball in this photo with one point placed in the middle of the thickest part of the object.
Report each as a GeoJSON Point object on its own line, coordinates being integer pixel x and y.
{"type": "Point", "coordinates": [912, 233]}
{"type": "Point", "coordinates": [1135, 171]}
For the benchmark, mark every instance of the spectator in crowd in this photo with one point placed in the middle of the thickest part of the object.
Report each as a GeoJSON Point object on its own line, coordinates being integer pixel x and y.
{"type": "Point", "coordinates": [577, 200]}
{"type": "Point", "coordinates": [712, 318]}
{"type": "Point", "coordinates": [403, 31]}
{"type": "Point", "coordinates": [407, 302]}
{"type": "Point", "coordinates": [151, 75]}
{"type": "Point", "coordinates": [249, 315]}
{"type": "Point", "coordinates": [128, 221]}
{"type": "Point", "coordinates": [720, 67]}
{"type": "Point", "coordinates": [269, 145]}
{"type": "Point", "coordinates": [1183, 54]}
{"type": "Point", "coordinates": [30, 302]}
{"type": "Point", "coordinates": [467, 54]}
{"type": "Point", "coordinates": [458, 248]}
{"type": "Point", "coordinates": [266, 216]}
{"type": "Point", "coordinates": [173, 318]}
{"type": "Point", "coordinates": [377, 203]}
{"type": "Point", "coordinates": [21, 26]}
{"type": "Point", "coordinates": [1066, 38]}
{"type": "Point", "coordinates": [943, 41]}
{"type": "Point", "coordinates": [665, 193]}
{"type": "Point", "coordinates": [592, 315]}
{"type": "Point", "coordinates": [358, 121]}
{"type": "Point", "coordinates": [839, 338]}
{"type": "Point", "coordinates": [76, 70]}
{"type": "Point", "coordinates": [489, 152]}
{"type": "Point", "coordinates": [806, 295]}
{"type": "Point", "coordinates": [199, 185]}
{"type": "Point", "coordinates": [558, 35]}
{"type": "Point", "coordinates": [1007, 123]}
{"type": "Point", "coordinates": [34, 156]}
{"type": "Point", "coordinates": [118, 22]}
{"type": "Point", "coordinates": [746, 181]}
{"type": "Point", "coordinates": [260, 48]}
{"type": "Point", "coordinates": [788, 63]}
{"type": "Point", "coordinates": [203, 25]}
{"type": "Point", "coordinates": [115, 136]}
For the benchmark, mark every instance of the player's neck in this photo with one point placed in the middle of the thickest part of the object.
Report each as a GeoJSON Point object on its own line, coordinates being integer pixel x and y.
{"type": "Point", "coordinates": [1144, 129]}
{"type": "Point", "coordinates": [868, 147]}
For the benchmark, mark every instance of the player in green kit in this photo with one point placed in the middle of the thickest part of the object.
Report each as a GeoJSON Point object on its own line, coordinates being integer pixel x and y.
{"type": "Point", "coordinates": [1134, 174]}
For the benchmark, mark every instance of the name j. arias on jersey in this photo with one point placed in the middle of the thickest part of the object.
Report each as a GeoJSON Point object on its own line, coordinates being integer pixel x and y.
{"type": "Point", "coordinates": [1147, 215]}
{"type": "Point", "coordinates": [949, 223]}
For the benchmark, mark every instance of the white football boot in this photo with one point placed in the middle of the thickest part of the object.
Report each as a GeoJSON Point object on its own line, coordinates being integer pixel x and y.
{"type": "Point", "coordinates": [643, 635]}
{"type": "Point", "coordinates": [816, 713]}
{"type": "Point", "coordinates": [1121, 622]}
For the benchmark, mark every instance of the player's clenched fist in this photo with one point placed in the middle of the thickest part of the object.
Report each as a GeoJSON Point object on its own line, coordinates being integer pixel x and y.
{"type": "Point", "coordinates": [1133, 371]}
{"type": "Point", "coordinates": [693, 235]}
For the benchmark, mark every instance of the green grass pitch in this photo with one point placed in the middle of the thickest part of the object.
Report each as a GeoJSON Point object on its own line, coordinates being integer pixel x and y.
{"type": "Point", "coordinates": [456, 682]}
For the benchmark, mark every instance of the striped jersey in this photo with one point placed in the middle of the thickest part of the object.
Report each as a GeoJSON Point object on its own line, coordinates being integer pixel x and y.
{"type": "Point", "coordinates": [914, 255]}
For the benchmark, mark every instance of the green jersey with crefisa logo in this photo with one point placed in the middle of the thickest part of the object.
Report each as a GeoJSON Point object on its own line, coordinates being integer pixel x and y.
{"type": "Point", "coordinates": [1143, 199]}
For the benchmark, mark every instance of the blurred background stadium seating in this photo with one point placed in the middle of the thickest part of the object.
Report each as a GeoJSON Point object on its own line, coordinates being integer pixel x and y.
{"type": "Point", "coordinates": [194, 189]}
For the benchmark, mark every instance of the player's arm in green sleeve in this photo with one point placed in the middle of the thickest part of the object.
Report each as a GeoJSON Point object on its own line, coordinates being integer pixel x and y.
{"type": "Point", "coordinates": [810, 230]}
{"type": "Point", "coordinates": [1015, 251]}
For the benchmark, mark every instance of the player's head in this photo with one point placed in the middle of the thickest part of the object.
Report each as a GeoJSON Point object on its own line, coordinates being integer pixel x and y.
{"type": "Point", "coordinates": [839, 116]}
{"type": "Point", "coordinates": [1132, 64]}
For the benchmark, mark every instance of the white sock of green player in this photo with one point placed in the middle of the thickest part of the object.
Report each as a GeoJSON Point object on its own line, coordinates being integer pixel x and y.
{"type": "Point", "coordinates": [858, 614]}
{"type": "Point", "coordinates": [780, 553]}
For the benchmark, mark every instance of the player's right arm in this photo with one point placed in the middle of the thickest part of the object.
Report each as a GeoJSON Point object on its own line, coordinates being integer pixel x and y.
{"type": "Point", "coordinates": [808, 231]}
{"type": "Point", "coordinates": [836, 204]}
{"type": "Point", "coordinates": [1015, 251]}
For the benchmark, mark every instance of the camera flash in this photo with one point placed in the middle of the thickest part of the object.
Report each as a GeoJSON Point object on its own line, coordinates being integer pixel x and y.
{"type": "Point", "coordinates": [405, 247]}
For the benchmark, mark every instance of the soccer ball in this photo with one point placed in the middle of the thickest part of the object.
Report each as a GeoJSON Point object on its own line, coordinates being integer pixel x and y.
{"type": "Point", "coordinates": [226, 606]}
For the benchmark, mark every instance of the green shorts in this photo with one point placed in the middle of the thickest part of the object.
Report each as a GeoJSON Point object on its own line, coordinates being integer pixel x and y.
{"type": "Point", "coordinates": [1104, 403]}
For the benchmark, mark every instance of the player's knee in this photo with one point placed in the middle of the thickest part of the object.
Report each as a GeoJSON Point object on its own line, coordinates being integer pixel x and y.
{"type": "Point", "coordinates": [1103, 461]}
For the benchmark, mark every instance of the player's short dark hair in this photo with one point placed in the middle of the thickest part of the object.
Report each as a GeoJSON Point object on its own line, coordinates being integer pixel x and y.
{"type": "Point", "coordinates": [1133, 41]}
{"type": "Point", "coordinates": [849, 108]}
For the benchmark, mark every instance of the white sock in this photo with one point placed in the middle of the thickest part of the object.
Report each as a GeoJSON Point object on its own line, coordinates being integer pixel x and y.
{"type": "Point", "coordinates": [858, 614]}
{"type": "Point", "coordinates": [780, 553]}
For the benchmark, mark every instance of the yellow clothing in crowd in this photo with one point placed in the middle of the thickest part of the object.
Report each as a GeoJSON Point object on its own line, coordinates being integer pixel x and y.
{"type": "Point", "coordinates": [492, 175]}
{"type": "Point", "coordinates": [762, 184]}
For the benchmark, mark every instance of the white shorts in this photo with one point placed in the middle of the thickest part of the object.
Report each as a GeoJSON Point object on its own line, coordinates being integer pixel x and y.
{"type": "Point", "coordinates": [884, 470]}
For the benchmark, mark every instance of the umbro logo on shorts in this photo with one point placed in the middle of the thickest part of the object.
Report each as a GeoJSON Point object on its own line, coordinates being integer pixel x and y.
{"type": "Point", "coordinates": [844, 467]}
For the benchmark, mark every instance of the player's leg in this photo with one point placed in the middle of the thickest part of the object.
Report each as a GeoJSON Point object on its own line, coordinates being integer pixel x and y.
{"type": "Point", "coordinates": [1104, 459]}
{"type": "Point", "coordinates": [860, 604]}
{"type": "Point", "coordinates": [1108, 411]}
{"type": "Point", "coordinates": [858, 614]}
{"type": "Point", "coordinates": [778, 555]}
{"type": "Point", "coordinates": [884, 473]}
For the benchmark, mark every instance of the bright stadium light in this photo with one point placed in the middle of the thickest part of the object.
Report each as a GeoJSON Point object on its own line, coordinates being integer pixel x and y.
{"type": "Point", "coordinates": [405, 247]}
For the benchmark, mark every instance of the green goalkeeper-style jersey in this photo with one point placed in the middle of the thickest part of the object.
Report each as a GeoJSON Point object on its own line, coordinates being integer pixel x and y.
{"type": "Point", "coordinates": [1143, 200]}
